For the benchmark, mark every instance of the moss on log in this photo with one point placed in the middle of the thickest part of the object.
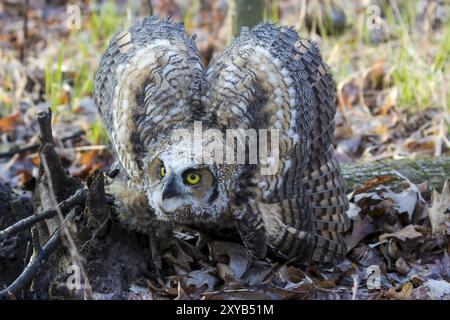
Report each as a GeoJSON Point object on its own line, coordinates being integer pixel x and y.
{"type": "Point", "coordinates": [433, 170]}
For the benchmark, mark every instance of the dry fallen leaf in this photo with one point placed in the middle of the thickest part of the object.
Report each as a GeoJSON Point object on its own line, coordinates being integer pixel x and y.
{"type": "Point", "coordinates": [140, 293]}
{"type": "Point", "coordinates": [199, 278]}
{"type": "Point", "coordinates": [402, 266]}
{"type": "Point", "coordinates": [367, 195]}
{"type": "Point", "coordinates": [405, 201]}
{"type": "Point", "coordinates": [438, 288]}
{"type": "Point", "coordinates": [182, 295]}
{"type": "Point", "coordinates": [405, 293]}
{"type": "Point", "coordinates": [408, 232]}
{"type": "Point", "coordinates": [368, 185]}
{"type": "Point", "coordinates": [7, 124]}
{"type": "Point", "coordinates": [257, 273]}
{"type": "Point", "coordinates": [362, 227]}
{"type": "Point", "coordinates": [353, 211]}
{"type": "Point", "coordinates": [231, 258]}
{"type": "Point", "coordinates": [438, 213]}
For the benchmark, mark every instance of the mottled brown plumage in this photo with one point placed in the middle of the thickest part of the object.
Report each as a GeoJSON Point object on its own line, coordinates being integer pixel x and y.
{"type": "Point", "coordinates": [151, 82]}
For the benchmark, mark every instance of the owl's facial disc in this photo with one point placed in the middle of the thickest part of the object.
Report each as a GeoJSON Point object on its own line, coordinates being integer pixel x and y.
{"type": "Point", "coordinates": [180, 187]}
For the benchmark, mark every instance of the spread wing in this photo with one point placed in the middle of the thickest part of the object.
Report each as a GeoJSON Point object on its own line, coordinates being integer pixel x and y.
{"type": "Point", "coordinates": [148, 81]}
{"type": "Point", "coordinates": [269, 78]}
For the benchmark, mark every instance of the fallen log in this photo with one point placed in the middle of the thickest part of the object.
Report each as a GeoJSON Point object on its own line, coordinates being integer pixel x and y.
{"type": "Point", "coordinates": [432, 170]}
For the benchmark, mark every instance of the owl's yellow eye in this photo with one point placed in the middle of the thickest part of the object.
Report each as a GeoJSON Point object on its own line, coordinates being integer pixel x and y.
{"type": "Point", "coordinates": [162, 171]}
{"type": "Point", "coordinates": [192, 178]}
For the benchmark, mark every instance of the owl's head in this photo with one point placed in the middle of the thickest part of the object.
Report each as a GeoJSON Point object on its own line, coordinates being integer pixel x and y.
{"type": "Point", "coordinates": [182, 188]}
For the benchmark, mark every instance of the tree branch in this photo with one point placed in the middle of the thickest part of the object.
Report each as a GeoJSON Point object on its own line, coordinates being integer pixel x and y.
{"type": "Point", "coordinates": [77, 199]}
{"type": "Point", "coordinates": [32, 267]}
{"type": "Point", "coordinates": [33, 147]}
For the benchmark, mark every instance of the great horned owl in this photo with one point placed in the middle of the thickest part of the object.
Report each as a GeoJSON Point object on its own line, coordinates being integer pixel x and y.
{"type": "Point", "coordinates": [151, 84]}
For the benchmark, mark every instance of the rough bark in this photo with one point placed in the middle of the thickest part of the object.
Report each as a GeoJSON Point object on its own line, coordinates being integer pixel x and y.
{"type": "Point", "coordinates": [433, 170]}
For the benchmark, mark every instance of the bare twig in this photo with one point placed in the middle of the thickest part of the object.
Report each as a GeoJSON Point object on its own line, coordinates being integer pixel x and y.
{"type": "Point", "coordinates": [36, 240]}
{"type": "Point", "coordinates": [45, 125]}
{"type": "Point", "coordinates": [9, 164]}
{"type": "Point", "coordinates": [36, 261]}
{"type": "Point", "coordinates": [355, 287]}
{"type": "Point", "coordinates": [32, 267]}
{"type": "Point", "coordinates": [25, 29]}
{"type": "Point", "coordinates": [19, 151]}
{"type": "Point", "coordinates": [77, 199]}
{"type": "Point", "coordinates": [85, 148]}
{"type": "Point", "coordinates": [35, 146]}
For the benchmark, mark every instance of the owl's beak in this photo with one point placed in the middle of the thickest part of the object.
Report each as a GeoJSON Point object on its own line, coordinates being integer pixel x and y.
{"type": "Point", "coordinates": [170, 189]}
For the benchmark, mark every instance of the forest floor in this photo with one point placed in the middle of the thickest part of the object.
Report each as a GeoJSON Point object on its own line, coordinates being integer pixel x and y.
{"type": "Point", "coordinates": [393, 103]}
